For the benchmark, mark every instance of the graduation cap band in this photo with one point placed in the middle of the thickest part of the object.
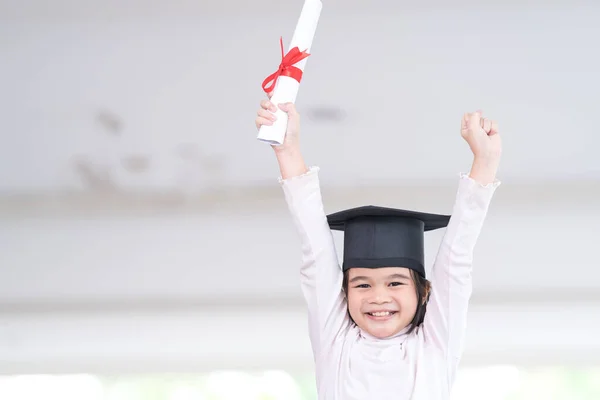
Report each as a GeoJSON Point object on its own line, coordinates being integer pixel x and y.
{"type": "Point", "coordinates": [384, 263]}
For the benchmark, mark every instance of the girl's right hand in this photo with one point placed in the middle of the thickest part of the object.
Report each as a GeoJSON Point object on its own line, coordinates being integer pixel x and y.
{"type": "Point", "coordinates": [266, 116]}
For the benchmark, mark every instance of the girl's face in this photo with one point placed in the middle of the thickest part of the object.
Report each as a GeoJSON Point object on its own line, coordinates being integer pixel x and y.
{"type": "Point", "coordinates": [382, 301]}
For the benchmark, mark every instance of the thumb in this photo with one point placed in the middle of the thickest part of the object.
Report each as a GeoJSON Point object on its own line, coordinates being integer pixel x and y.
{"type": "Point", "coordinates": [494, 128]}
{"type": "Point", "coordinates": [290, 109]}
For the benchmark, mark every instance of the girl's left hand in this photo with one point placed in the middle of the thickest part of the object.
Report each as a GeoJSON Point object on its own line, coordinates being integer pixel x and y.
{"type": "Point", "coordinates": [482, 136]}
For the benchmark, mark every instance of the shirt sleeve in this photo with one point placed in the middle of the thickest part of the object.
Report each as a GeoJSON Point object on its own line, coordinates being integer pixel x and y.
{"type": "Point", "coordinates": [445, 320]}
{"type": "Point", "coordinates": [320, 273]}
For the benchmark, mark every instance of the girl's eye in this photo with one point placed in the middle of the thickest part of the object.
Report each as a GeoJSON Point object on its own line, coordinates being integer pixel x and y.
{"type": "Point", "coordinates": [396, 283]}
{"type": "Point", "coordinates": [363, 286]}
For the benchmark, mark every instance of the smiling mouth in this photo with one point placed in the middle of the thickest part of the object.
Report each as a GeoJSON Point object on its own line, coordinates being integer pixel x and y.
{"type": "Point", "coordinates": [381, 314]}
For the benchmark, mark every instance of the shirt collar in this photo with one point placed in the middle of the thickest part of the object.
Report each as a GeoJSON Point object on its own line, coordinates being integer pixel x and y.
{"type": "Point", "coordinates": [398, 337]}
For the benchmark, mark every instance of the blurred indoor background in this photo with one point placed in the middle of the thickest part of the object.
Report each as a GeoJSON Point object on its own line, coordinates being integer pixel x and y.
{"type": "Point", "coordinates": [146, 252]}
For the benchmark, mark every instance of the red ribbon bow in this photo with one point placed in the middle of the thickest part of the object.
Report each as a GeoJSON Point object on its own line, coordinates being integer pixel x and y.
{"type": "Point", "coordinates": [286, 68]}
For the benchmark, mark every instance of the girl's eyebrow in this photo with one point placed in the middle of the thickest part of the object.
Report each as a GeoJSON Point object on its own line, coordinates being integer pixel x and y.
{"type": "Point", "coordinates": [393, 276]}
{"type": "Point", "coordinates": [398, 276]}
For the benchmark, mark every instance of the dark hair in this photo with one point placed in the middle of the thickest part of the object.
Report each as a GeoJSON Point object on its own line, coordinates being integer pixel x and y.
{"type": "Point", "coordinates": [423, 289]}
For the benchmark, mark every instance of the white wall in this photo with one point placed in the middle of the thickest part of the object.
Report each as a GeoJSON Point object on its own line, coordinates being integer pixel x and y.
{"type": "Point", "coordinates": [241, 249]}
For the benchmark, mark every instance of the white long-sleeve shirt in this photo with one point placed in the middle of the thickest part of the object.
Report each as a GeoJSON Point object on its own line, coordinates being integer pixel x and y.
{"type": "Point", "coordinates": [351, 364]}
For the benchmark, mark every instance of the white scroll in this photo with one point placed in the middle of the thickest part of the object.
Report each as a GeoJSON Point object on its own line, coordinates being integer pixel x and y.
{"type": "Point", "coordinates": [286, 88]}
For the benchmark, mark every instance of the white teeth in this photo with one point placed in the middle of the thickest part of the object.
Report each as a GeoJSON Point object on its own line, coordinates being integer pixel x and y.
{"type": "Point", "coordinates": [381, 314]}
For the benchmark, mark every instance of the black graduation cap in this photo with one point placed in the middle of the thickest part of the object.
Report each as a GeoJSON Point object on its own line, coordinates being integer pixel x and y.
{"type": "Point", "coordinates": [376, 237]}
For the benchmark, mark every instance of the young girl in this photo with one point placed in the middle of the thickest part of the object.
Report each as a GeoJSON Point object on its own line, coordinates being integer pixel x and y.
{"type": "Point", "coordinates": [378, 328]}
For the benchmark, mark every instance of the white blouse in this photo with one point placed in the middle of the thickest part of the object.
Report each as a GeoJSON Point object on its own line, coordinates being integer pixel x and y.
{"type": "Point", "coordinates": [351, 364]}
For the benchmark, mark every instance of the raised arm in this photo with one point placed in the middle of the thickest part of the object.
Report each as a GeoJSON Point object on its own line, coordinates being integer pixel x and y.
{"type": "Point", "coordinates": [320, 272]}
{"type": "Point", "coordinates": [446, 316]}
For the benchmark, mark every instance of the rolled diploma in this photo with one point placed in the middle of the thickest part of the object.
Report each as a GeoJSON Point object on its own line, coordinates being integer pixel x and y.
{"type": "Point", "coordinates": [286, 88]}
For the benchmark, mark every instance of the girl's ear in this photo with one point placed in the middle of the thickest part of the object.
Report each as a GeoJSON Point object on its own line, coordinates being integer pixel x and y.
{"type": "Point", "coordinates": [345, 284]}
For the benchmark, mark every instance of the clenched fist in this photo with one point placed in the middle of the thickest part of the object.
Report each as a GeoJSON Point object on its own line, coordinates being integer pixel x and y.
{"type": "Point", "coordinates": [482, 135]}
{"type": "Point", "coordinates": [484, 140]}
{"type": "Point", "coordinates": [266, 116]}
{"type": "Point", "coordinates": [290, 160]}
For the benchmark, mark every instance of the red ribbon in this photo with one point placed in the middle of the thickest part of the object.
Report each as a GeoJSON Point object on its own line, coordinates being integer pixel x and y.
{"type": "Point", "coordinates": [286, 68]}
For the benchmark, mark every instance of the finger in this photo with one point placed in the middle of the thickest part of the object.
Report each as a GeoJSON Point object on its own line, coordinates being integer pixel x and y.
{"type": "Point", "coordinates": [480, 115]}
{"type": "Point", "coordinates": [474, 121]}
{"type": "Point", "coordinates": [486, 125]}
{"type": "Point", "coordinates": [260, 121]}
{"type": "Point", "coordinates": [464, 123]}
{"type": "Point", "coordinates": [266, 114]}
{"type": "Point", "coordinates": [267, 105]}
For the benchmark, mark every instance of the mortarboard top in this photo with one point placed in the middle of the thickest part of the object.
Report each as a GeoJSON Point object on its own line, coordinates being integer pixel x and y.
{"type": "Point", "coordinates": [376, 237]}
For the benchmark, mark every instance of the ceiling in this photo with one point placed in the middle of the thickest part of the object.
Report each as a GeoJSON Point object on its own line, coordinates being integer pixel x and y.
{"type": "Point", "coordinates": [122, 96]}
{"type": "Point", "coordinates": [94, 9]}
